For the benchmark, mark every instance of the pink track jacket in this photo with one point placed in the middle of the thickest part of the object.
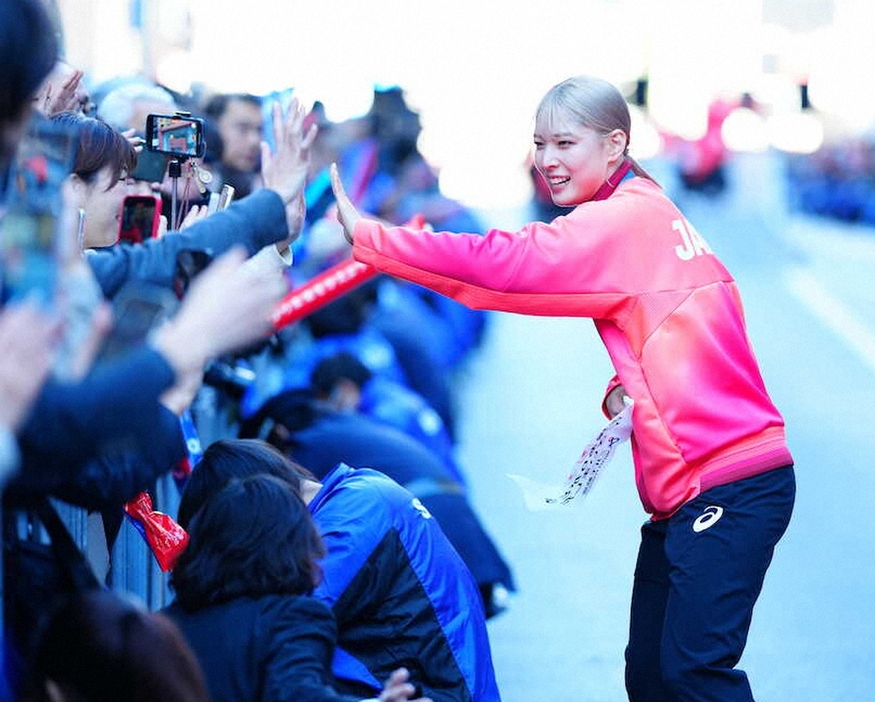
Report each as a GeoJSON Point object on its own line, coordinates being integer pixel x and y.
{"type": "Point", "coordinates": [669, 314]}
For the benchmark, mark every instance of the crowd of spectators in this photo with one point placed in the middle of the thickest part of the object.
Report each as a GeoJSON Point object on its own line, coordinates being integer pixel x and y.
{"type": "Point", "coordinates": [836, 181]}
{"type": "Point", "coordinates": [320, 514]}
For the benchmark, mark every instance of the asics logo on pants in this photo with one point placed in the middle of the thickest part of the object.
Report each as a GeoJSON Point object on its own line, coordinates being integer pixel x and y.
{"type": "Point", "coordinates": [708, 518]}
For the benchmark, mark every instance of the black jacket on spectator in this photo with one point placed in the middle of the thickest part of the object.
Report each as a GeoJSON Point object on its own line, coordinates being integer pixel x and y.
{"type": "Point", "coordinates": [264, 650]}
{"type": "Point", "coordinates": [114, 409]}
{"type": "Point", "coordinates": [115, 477]}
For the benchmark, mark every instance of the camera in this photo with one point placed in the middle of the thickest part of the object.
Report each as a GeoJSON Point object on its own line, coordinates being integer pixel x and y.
{"type": "Point", "coordinates": [179, 135]}
{"type": "Point", "coordinates": [151, 166]}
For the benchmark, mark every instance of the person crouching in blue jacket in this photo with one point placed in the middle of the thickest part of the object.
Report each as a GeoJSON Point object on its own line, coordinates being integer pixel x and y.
{"type": "Point", "coordinates": [400, 593]}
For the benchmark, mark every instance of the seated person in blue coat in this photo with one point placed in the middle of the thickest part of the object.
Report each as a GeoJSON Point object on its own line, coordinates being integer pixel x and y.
{"type": "Point", "coordinates": [400, 593]}
{"type": "Point", "coordinates": [244, 599]}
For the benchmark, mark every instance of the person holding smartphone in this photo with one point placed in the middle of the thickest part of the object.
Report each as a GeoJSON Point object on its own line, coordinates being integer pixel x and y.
{"type": "Point", "coordinates": [273, 215]}
{"type": "Point", "coordinates": [104, 160]}
{"type": "Point", "coordinates": [711, 460]}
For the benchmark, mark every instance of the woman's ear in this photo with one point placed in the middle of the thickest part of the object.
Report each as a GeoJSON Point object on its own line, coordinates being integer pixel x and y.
{"type": "Point", "coordinates": [617, 143]}
{"type": "Point", "coordinates": [77, 189]}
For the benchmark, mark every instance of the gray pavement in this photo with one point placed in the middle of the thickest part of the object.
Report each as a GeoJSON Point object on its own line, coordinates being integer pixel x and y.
{"type": "Point", "coordinates": [529, 401]}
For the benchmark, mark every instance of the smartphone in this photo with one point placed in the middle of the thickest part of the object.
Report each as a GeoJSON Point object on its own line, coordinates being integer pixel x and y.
{"type": "Point", "coordinates": [137, 309]}
{"type": "Point", "coordinates": [141, 215]}
{"type": "Point", "coordinates": [189, 264]}
{"type": "Point", "coordinates": [29, 232]}
{"type": "Point", "coordinates": [151, 166]}
{"type": "Point", "coordinates": [226, 195]}
{"type": "Point", "coordinates": [179, 135]}
{"type": "Point", "coordinates": [219, 201]}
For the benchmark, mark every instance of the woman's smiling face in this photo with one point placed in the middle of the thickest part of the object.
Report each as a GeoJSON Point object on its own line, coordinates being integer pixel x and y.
{"type": "Point", "coordinates": [102, 201]}
{"type": "Point", "coordinates": [574, 160]}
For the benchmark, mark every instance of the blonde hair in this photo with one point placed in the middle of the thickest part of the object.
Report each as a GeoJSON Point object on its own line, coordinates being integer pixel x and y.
{"type": "Point", "coordinates": [593, 103]}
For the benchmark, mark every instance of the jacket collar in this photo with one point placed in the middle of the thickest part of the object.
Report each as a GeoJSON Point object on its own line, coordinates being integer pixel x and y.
{"type": "Point", "coordinates": [610, 185]}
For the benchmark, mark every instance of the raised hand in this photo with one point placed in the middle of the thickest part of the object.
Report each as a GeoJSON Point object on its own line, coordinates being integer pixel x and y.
{"type": "Point", "coordinates": [227, 307]}
{"type": "Point", "coordinates": [347, 214]}
{"type": "Point", "coordinates": [285, 169]}
{"type": "Point", "coordinates": [195, 214]}
{"type": "Point", "coordinates": [70, 97]}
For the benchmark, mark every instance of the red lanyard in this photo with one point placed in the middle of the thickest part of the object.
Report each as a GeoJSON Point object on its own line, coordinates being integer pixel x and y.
{"type": "Point", "coordinates": [610, 185]}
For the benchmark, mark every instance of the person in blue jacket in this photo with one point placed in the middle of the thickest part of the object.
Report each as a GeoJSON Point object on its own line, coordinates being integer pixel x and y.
{"type": "Point", "coordinates": [347, 384]}
{"type": "Point", "coordinates": [400, 593]}
{"type": "Point", "coordinates": [317, 436]}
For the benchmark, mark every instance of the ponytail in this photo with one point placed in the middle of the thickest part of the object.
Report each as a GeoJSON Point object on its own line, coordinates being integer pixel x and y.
{"type": "Point", "coordinates": [639, 171]}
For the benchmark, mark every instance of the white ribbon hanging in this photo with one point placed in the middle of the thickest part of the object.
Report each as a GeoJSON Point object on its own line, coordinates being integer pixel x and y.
{"type": "Point", "coordinates": [593, 458]}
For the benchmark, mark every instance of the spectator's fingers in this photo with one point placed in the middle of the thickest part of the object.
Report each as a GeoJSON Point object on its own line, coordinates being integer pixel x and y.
{"type": "Point", "coordinates": [396, 688]}
{"type": "Point", "coordinates": [195, 214]}
{"type": "Point", "coordinates": [266, 156]}
{"type": "Point", "coordinates": [67, 98]}
{"type": "Point", "coordinates": [278, 130]}
{"type": "Point", "coordinates": [310, 137]}
{"type": "Point", "coordinates": [296, 119]}
{"type": "Point", "coordinates": [69, 86]}
{"type": "Point", "coordinates": [293, 131]}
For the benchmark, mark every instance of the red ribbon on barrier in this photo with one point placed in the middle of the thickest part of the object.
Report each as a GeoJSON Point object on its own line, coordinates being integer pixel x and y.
{"type": "Point", "coordinates": [165, 537]}
{"type": "Point", "coordinates": [326, 287]}
{"type": "Point", "coordinates": [318, 292]}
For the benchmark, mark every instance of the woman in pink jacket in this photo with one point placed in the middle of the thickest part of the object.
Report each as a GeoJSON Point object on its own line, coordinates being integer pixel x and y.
{"type": "Point", "coordinates": [711, 460]}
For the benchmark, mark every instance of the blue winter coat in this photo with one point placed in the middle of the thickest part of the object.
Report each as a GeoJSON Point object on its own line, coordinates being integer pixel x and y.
{"type": "Point", "coordinates": [400, 593]}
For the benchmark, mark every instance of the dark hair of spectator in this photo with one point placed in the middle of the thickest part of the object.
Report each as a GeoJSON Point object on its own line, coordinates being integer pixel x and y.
{"type": "Point", "coordinates": [341, 366]}
{"type": "Point", "coordinates": [98, 647]}
{"type": "Point", "coordinates": [282, 415]}
{"type": "Point", "coordinates": [345, 315]}
{"type": "Point", "coordinates": [232, 459]}
{"type": "Point", "coordinates": [253, 538]}
{"type": "Point", "coordinates": [99, 146]}
{"type": "Point", "coordinates": [215, 107]}
{"type": "Point", "coordinates": [28, 51]}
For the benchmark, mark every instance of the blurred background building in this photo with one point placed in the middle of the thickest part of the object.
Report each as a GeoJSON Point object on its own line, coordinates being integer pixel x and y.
{"type": "Point", "coordinates": [792, 72]}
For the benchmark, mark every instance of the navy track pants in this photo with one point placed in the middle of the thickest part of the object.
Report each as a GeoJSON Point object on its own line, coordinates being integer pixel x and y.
{"type": "Point", "coordinates": [697, 578]}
